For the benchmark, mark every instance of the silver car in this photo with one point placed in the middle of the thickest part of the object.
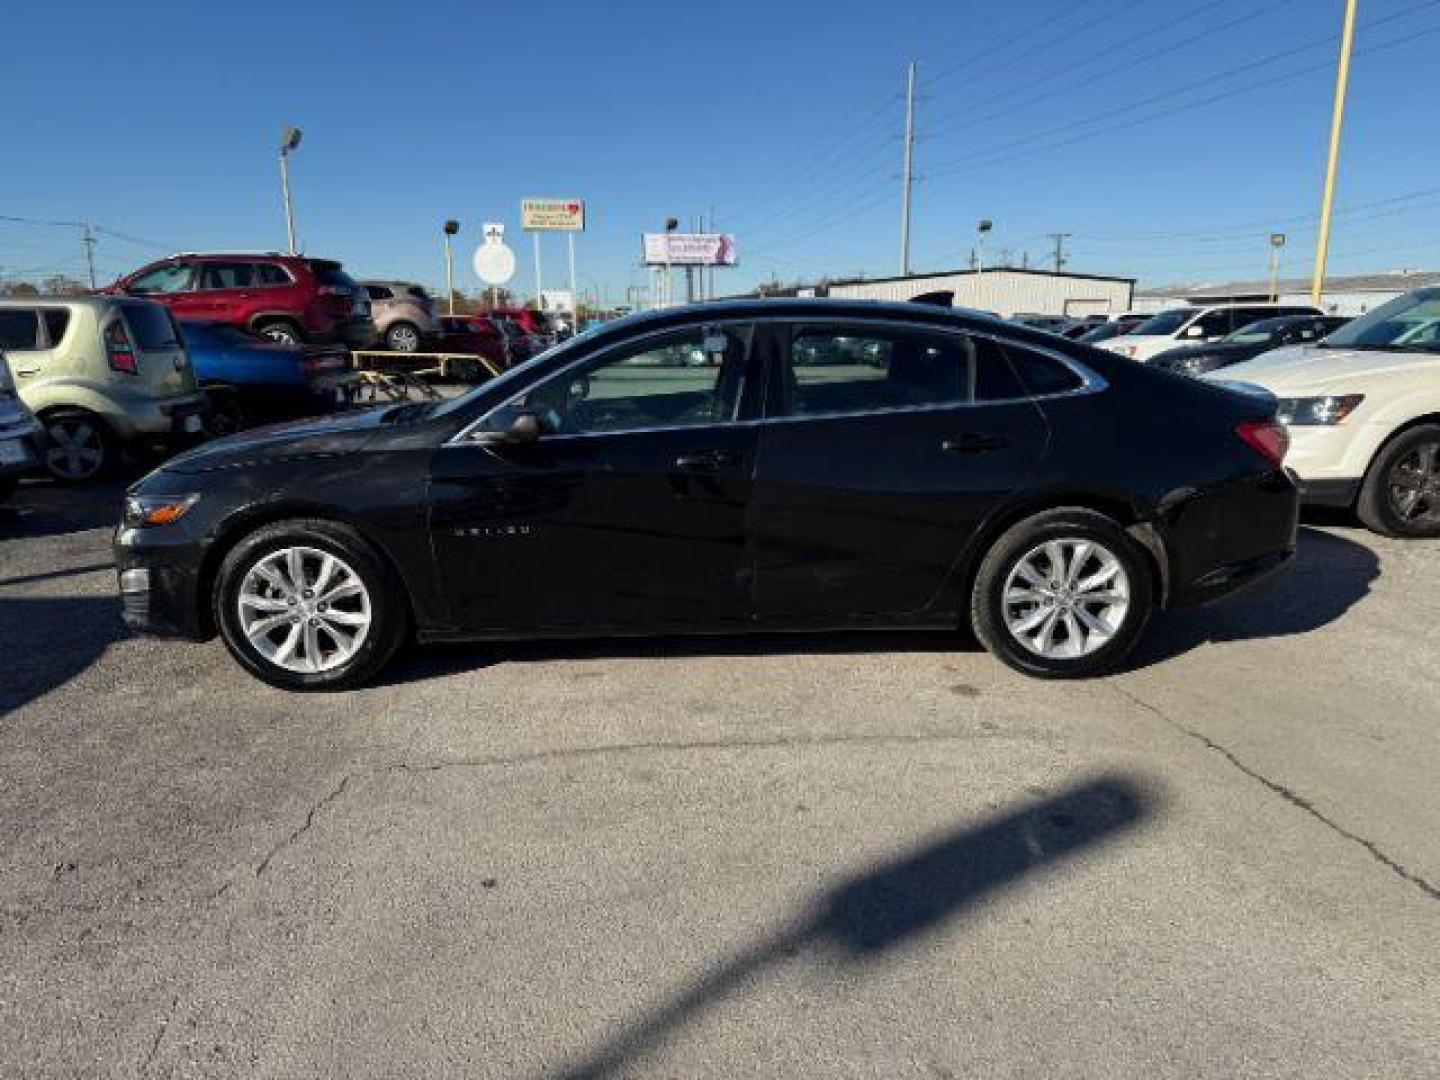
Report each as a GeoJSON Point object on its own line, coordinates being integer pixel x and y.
{"type": "Point", "coordinates": [404, 314]}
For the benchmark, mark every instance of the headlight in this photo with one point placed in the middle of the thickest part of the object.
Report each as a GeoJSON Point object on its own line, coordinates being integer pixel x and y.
{"type": "Point", "coordinates": [1317, 411]}
{"type": "Point", "coordinates": [146, 513]}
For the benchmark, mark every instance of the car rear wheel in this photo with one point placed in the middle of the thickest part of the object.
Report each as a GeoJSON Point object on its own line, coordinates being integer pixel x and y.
{"type": "Point", "coordinates": [308, 605]}
{"type": "Point", "coordinates": [1063, 594]}
{"type": "Point", "coordinates": [281, 330]}
{"type": "Point", "coordinates": [1401, 493]}
{"type": "Point", "coordinates": [80, 448]}
{"type": "Point", "coordinates": [402, 337]}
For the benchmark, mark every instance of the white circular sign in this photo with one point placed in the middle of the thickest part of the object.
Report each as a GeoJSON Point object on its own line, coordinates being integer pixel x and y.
{"type": "Point", "coordinates": [494, 262]}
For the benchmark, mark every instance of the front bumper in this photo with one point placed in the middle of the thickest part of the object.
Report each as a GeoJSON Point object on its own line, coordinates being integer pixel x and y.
{"type": "Point", "coordinates": [159, 577]}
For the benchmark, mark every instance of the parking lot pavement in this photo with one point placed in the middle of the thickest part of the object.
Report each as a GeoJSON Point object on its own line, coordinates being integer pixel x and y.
{"type": "Point", "coordinates": [879, 856]}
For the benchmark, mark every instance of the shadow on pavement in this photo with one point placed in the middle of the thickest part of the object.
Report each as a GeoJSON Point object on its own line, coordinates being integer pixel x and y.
{"type": "Point", "coordinates": [40, 508]}
{"type": "Point", "coordinates": [1330, 576]}
{"type": "Point", "coordinates": [436, 661]}
{"type": "Point", "coordinates": [890, 903]}
{"type": "Point", "coordinates": [45, 642]}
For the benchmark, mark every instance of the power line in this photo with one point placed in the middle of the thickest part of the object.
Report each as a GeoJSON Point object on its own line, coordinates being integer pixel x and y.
{"type": "Point", "coordinates": [1127, 47]}
{"type": "Point", "coordinates": [980, 160]}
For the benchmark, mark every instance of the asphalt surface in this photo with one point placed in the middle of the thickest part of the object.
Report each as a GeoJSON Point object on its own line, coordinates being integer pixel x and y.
{"type": "Point", "coordinates": [859, 856]}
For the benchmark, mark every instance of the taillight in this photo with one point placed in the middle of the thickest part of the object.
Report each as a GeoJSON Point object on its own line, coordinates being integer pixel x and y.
{"type": "Point", "coordinates": [1267, 437]}
{"type": "Point", "coordinates": [118, 350]}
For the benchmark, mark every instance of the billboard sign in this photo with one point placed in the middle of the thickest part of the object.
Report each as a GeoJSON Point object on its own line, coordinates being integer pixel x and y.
{"type": "Point", "coordinates": [689, 249]}
{"type": "Point", "coordinates": [552, 215]}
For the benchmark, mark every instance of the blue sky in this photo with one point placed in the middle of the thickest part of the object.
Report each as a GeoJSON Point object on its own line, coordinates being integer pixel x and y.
{"type": "Point", "coordinates": [1168, 138]}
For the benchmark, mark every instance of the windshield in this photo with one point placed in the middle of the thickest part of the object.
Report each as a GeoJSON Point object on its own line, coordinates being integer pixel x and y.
{"type": "Point", "coordinates": [1411, 321]}
{"type": "Point", "coordinates": [1258, 333]}
{"type": "Point", "coordinates": [1167, 322]}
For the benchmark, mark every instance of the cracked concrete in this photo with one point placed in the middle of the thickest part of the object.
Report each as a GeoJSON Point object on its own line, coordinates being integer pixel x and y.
{"type": "Point", "coordinates": [505, 859]}
{"type": "Point", "coordinates": [1285, 793]}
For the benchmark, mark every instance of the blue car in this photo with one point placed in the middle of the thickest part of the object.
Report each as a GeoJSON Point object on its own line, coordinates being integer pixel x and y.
{"type": "Point", "coordinates": [249, 379]}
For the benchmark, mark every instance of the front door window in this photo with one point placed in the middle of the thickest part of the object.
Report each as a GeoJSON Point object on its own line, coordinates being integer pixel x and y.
{"type": "Point", "coordinates": [691, 378]}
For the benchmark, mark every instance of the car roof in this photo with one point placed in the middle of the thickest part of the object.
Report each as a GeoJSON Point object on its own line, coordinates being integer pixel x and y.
{"type": "Point", "coordinates": [802, 308]}
{"type": "Point", "coordinates": [71, 301]}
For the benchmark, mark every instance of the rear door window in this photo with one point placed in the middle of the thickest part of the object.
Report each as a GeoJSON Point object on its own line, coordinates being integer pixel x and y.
{"type": "Point", "coordinates": [378, 292]}
{"type": "Point", "coordinates": [271, 274]}
{"type": "Point", "coordinates": [843, 369]}
{"type": "Point", "coordinates": [227, 275]}
{"type": "Point", "coordinates": [19, 330]}
{"type": "Point", "coordinates": [152, 327]}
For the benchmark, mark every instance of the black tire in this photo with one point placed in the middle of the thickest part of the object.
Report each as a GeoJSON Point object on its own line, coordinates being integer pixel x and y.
{"type": "Point", "coordinates": [282, 330]}
{"type": "Point", "coordinates": [1026, 539]}
{"type": "Point", "coordinates": [80, 447]}
{"type": "Point", "coordinates": [8, 484]}
{"type": "Point", "coordinates": [389, 613]}
{"type": "Point", "coordinates": [402, 337]}
{"type": "Point", "coordinates": [1396, 474]}
{"type": "Point", "coordinates": [224, 413]}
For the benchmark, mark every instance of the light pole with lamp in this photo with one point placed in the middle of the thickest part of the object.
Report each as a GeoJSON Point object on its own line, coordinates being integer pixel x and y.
{"type": "Point", "coordinates": [289, 140]}
{"type": "Point", "coordinates": [981, 229]}
{"type": "Point", "coordinates": [450, 227]}
{"type": "Point", "coordinates": [1277, 241]}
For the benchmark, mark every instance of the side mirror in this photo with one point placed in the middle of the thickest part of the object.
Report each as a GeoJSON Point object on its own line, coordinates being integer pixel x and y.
{"type": "Point", "coordinates": [525, 428]}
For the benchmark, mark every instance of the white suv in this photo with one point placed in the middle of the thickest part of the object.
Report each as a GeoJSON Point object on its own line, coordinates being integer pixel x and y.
{"type": "Point", "coordinates": [1194, 326]}
{"type": "Point", "coordinates": [1363, 410]}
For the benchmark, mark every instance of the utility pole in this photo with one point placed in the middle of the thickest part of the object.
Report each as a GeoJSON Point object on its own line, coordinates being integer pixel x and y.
{"type": "Point", "coordinates": [1332, 165]}
{"type": "Point", "coordinates": [1060, 238]}
{"type": "Point", "coordinates": [909, 169]}
{"type": "Point", "coordinates": [88, 239]}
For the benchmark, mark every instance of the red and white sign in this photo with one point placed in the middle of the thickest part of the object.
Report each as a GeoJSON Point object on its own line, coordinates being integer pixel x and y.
{"type": "Point", "coordinates": [552, 215]}
{"type": "Point", "coordinates": [690, 249]}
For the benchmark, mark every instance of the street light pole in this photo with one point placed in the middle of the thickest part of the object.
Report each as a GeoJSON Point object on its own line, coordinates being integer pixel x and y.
{"type": "Point", "coordinates": [1337, 124]}
{"type": "Point", "coordinates": [289, 140]}
{"type": "Point", "coordinates": [1277, 241]}
{"type": "Point", "coordinates": [450, 229]}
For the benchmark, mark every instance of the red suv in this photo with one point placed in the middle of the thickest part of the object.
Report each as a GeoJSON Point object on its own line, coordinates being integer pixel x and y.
{"type": "Point", "coordinates": [288, 298]}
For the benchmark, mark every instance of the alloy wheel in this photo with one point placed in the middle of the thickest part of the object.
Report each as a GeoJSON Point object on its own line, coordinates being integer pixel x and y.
{"type": "Point", "coordinates": [403, 338]}
{"type": "Point", "coordinates": [76, 450]}
{"type": "Point", "coordinates": [304, 610]}
{"type": "Point", "coordinates": [1414, 485]}
{"type": "Point", "coordinates": [1066, 598]}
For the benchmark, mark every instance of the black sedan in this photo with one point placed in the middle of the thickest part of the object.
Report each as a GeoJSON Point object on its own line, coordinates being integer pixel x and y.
{"type": "Point", "coordinates": [1247, 343]}
{"type": "Point", "coordinates": [819, 464]}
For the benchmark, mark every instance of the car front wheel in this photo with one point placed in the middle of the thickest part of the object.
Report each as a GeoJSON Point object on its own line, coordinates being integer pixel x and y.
{"type": "Point", "coordinates": [308, 605]}
{"type": "Point", "coordinates": [1063, 594]}
{"type": "Point", "coordinates": [1401, 493]}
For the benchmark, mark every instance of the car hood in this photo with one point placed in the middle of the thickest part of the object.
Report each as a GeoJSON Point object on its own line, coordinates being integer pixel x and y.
{"type": "Point", "coordinates": [1297, 370]}
{"type": "Point", "coordinates": [341, 433]}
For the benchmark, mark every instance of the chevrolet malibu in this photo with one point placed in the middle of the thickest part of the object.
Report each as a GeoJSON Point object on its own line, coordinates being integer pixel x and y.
{"type": "Point", "coordinates": [821, 465]}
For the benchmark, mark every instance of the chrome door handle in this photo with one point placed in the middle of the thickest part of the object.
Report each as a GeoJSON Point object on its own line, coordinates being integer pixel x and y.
{"type": "Point", "coordinates": [978, 442]}
{"type": "Point", "coordinates": [706, 461]}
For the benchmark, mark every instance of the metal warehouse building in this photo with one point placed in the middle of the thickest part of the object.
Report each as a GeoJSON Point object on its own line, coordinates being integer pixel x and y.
{"type": "Point", "coordinates": [1003, 290]}
{"type": "Point", "coordinates": [1353, 295]}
